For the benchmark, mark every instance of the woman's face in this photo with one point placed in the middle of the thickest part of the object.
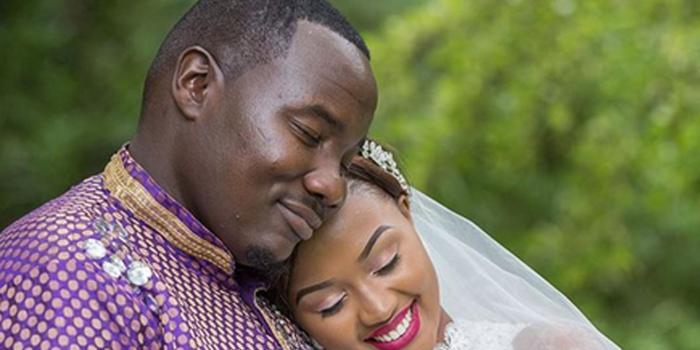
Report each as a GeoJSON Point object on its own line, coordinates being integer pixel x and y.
{"type": "Point", "coordinates": [364, 281]}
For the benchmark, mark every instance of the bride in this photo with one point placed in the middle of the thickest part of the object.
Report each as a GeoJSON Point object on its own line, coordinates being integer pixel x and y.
{"type": "Point", "coordinates": [396, 270]}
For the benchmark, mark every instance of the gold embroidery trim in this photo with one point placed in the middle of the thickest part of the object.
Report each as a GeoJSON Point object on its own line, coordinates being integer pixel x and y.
{"type": "Point", "coordinates": [137, 199]}
{"type": "Point", "coordinates": [281, 339]}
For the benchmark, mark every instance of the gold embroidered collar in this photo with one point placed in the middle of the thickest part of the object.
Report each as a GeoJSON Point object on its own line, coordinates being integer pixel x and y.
{"type": "Point", "coordinates": [134, 196]}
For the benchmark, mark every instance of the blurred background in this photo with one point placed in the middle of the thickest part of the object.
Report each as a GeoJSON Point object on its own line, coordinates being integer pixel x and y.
{"type": "Point", "coordinates": [567, 129]}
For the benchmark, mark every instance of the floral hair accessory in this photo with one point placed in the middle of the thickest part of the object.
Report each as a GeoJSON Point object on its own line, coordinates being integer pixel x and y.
{"type": "Point", "coordinates": [385, 160]}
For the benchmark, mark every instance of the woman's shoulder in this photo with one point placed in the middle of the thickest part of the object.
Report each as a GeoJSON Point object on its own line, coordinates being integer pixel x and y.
{"type": "Point", "coordinates": [557, 336]}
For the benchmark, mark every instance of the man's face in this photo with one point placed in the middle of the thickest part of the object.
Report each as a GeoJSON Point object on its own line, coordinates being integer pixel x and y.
{"type": "Point", "coordinates": [266, 168]}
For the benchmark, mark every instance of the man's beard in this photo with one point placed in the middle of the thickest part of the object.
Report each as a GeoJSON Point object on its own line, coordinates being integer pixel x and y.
{"type": "Point", "coordinates": [265, 265]}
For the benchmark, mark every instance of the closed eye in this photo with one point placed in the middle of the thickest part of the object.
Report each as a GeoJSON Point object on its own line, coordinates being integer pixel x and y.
{"type": "Point", "coordinates": [333, 309]}
{"type": "Point", "coordinates": [386, 269]}
{"type": "Point", "coordinates": [307, 134]}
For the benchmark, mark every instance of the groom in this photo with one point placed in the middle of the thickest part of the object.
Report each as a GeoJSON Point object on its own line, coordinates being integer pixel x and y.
{"type": "Point", "coordinates": [251, 109]}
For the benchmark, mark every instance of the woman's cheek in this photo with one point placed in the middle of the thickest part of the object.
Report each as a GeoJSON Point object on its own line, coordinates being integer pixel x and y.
{"type": "Point", "coordinates": [411, 278]}
{"type": "Point", "coordinates": [334, 331]}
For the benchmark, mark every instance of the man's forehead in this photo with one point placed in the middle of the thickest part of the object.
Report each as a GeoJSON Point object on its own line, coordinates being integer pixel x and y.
{"type": "Point", "coordinates": [317, 49]}
{"type": "Point", "coordinates": [321, 69]}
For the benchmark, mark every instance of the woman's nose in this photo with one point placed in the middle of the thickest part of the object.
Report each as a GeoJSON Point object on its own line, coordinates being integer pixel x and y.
{"type": "Point", "coordinates": [376, 307]}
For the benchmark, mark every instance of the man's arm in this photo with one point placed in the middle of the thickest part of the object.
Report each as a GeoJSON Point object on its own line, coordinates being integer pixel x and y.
{"type": "Point", "coordinates": [61, 305]}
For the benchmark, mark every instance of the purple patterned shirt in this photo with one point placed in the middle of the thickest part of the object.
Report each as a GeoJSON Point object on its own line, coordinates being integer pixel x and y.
{"type": "Point", "coordinates": [116, 263]}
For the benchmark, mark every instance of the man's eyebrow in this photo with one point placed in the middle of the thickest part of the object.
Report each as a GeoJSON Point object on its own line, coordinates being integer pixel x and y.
{"type": "Point", "coordinates": [372, 240]}
{"type": "Point", "coordinates": [323, 113]}
{"type": "Point", "coordinates": [313, 288]}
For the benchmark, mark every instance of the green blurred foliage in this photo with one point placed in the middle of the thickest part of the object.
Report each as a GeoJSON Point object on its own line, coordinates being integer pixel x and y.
{"type": "Point", "coordinates": [72, 73]}
{"type": "Point", "coordinates": [567, 129]}
{"type": "Point", "coordinates": [570, 131]}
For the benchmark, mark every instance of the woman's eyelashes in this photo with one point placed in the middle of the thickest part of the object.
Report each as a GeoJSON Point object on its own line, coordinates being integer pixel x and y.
{"type": "Point", "coordinates": [307, 134]}
{"type": "Point", "coordinates": [388, 267]}
{"type": "Point", "coordinates": [333, 309]}
{"type": "Point", "coordinates": [382, 271]}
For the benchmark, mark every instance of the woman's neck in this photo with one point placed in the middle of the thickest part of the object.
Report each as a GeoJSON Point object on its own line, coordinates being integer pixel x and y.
{"type": "Point", "coordinates": [445, 319]}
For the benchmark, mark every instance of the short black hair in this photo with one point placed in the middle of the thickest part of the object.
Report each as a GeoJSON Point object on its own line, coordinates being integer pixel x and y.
{"type": "Point", "coordinates": [244, 33]}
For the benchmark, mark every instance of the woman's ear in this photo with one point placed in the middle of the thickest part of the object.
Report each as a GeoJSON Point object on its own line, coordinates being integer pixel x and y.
{"type": "Point", "coordinates": [404, 206]}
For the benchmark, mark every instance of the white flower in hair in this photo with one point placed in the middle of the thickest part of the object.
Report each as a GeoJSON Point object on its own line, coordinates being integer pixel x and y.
{"type": "Point", "coordinates": [384, 159]}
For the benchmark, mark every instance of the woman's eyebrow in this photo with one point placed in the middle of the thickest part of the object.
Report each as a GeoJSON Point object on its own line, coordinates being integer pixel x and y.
{"type": "Point", "coordinates": [313, 288]}
{"type": "Point", "coordinates": [365, 253]}
{"type": "Point", "coordinates": [372, 240]}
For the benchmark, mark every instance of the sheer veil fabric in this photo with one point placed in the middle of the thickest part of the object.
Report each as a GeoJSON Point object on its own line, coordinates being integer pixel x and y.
{"type": "Point", "coordinates": [483, 283]}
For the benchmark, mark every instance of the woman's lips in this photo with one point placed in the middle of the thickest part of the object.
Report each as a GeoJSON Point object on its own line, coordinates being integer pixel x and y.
{"type": "Point", "coordinates": [399, 332]}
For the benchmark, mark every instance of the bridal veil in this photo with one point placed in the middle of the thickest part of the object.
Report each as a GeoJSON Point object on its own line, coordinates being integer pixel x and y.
{"type": "Point", "coordinates": [481, 281]}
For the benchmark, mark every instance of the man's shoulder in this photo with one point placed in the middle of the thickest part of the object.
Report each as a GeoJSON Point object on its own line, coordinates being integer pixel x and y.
{"type": "Point", "coordinates": [53, 231]}
{"type": "Point", "coordinates": [71, 207]}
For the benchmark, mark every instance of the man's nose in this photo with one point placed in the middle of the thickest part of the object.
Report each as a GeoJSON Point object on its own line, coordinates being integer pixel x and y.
{"type": "Point", "coordinates": [326, 184]}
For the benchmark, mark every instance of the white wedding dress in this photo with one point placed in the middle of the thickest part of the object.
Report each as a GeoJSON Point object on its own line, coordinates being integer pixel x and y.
{"type": "Point", "coordinates": [467, 335]}
{"type": "Point", "coordinates": [480, 335]}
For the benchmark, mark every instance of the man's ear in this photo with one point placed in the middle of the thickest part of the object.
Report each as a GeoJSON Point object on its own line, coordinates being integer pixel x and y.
{"type": "Point", "coordinates": [404, 206]}
{"type": "Point", "coordinates": [197, 77]}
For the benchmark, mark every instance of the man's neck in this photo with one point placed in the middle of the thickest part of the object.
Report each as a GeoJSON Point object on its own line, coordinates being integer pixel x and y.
{"type": "Point", "coordinates": [156, 158]}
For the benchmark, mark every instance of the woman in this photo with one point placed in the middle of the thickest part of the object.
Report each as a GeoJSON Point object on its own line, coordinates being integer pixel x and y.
{"type": "Point", "coordinates": [366, 281]}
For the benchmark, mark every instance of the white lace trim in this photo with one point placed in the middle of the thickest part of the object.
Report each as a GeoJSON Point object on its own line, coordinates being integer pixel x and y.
{"type": "Point", "coordinates": [468, 335]}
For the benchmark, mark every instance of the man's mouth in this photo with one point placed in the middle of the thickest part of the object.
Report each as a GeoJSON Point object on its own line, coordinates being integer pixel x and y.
{"type": "Point", "coordinates": [302, 219]}
{"type": "Point", "coordinates": [399, 332]}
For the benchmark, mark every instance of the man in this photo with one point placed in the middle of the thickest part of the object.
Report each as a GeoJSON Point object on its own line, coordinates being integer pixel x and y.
{"type": "Point", "coordinates": [250, 110]}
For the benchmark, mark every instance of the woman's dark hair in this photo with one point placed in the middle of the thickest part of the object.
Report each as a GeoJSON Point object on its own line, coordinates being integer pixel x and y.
{"type": "Point", "coordinates": [363, 172]}
{"type": "Point", "coordinates": [363, 175]}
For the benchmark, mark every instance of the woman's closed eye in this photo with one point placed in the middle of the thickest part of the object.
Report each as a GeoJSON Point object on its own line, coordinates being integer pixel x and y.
{"type": "Point", "coordinates": [306, 133]}
{"type": "Point", "coordinates": [389, 266]}
{"type": "Point", "coordinates": [382, 271]}
{"type": "Point", "coordinates": [333, 309]}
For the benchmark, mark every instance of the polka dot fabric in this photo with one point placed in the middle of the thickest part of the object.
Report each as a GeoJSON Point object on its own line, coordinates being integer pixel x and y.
{"type": "Point", "coordinates": [54, 294]}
